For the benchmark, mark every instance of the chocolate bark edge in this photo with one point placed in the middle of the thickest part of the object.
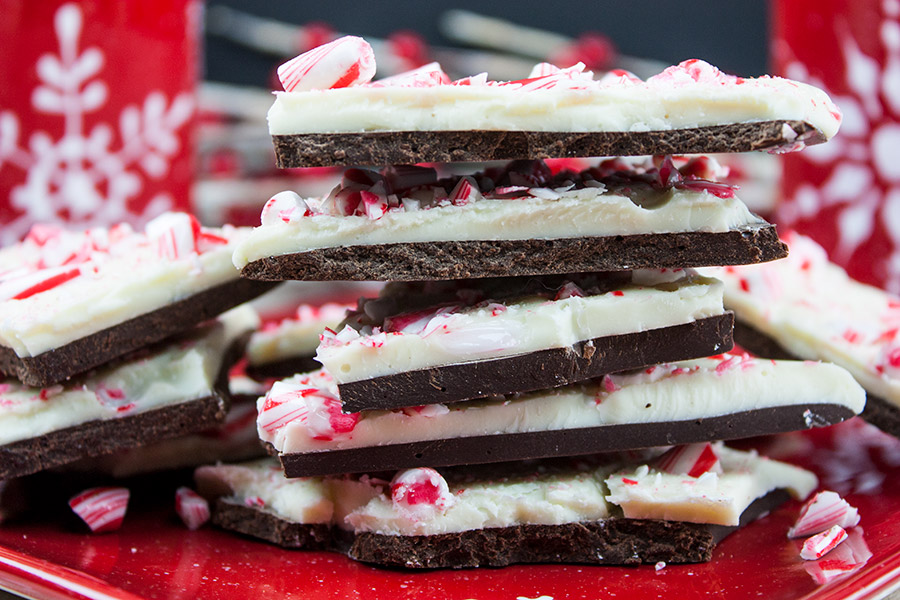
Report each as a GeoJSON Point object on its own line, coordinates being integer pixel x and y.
{"type": "Point", "coordinates": [411, 147]}
{"type": "Point", "coordinates": [96, 438]}
{"type": "Point", "coordinates": [614, 541]}
{"type": "Point", "coordinates": [280, 369]}
{"type": "Point", "coordinates": [879, 412]}
{"type": "Point", "coordinates": [540, 370]}
{"type": "Point", "coordinates": [74, 358]}
{"type": "Point", "coordinates": [483, 449]}
{"type": "Point", "coordinates": [438, 260]}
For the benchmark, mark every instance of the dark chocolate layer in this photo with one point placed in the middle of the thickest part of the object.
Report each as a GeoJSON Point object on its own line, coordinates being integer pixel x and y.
{"type": "Point", "coordinates": [879, 412]}
{"type": "Point", "coordinates": [418, 261]}
{"type": "Point", "coordinates": [562, 442]}
{"type": "Point", "coordinates": [411, 147]}
{"type": "Point", "coordinates": [260, 523]}
{"type": "Point", "coordinates": [99, 348]}
{"type": "Point", "coordinates": [614, 541]}
{"type": "Point", "coordinates": [280, 369]}
{"type": "Point", "coordinates": [96, 438]}
{"type": "Point", "coordinates": [542, 369]}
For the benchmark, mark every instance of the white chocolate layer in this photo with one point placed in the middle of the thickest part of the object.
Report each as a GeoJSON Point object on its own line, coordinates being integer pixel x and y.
{"type": "Point", "coordinates": [294, 337]}
{"type": "Point", "coordinates": [655, 105]}
{"type": "Point", "coordinates": [586, 212]}
{"type": "Point", "coordinates": [525, 325]}
{"type": "Point", "coordinates": [647, 493]}
{"type": "Point", "coordinates": [302, 414]}
{"type": "Point", "coordinates": [815, 311]}
{"type": "Point", "coordinates": [126, 280]}
{"type": "Point", "coordinates": [182, 371]}
{"type": "Point", "coordinates": [544, 497]}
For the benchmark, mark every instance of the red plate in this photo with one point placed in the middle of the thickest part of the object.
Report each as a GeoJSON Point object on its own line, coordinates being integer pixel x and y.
{"type": "Point", "coordinates": [154, 556]}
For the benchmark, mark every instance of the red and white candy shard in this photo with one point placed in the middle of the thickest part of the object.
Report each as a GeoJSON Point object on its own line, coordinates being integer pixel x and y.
{"type": "Point", "coordinates": [430, 75]}
{"type": "Point", "coordinates": [175, 235]}
{"type": "Point", "coordinates": [822, 512]}
{"type": "Point", "coordinates": [421, 493]}
{"type": "Point", "coordinates": [692, 460]}
{"type": "Point", "coordinates": [345, 62]}
{"type": "Point", "coordinates": [822, 543]}
{"type": "Point", "coordinates": [101, 508]}
{"type": "Point", "coordinates": [191, 507]}
{"type": "Point", "coordinates": [284, 207]}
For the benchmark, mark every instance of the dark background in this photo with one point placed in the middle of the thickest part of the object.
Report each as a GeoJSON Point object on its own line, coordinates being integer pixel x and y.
{"type": "Point", "coordinates": [731, 34]}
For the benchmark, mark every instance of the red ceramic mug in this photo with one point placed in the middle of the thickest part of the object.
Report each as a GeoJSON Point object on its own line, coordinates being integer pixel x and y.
{"type": "Point", "coordinates": [96, 110]}
{"type": "Point", "coordinates": [846, 193]}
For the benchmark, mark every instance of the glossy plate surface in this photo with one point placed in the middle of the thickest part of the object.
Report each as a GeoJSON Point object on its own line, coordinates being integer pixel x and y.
{"type": "Point", "coordinates": [154, 556]}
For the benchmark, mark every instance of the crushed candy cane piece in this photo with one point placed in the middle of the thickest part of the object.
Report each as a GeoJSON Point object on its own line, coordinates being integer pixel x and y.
{"type": "Point", "coordinates": [822, 543]}
{"type": "Point", "coordinates": [101, 508]}
{"type": "Point", "coordinates": [345, 62]}
{"type": "Point", "coordinates": [430, 75]}
{"type": "Point", "coordinates": [823, 511]}
{"type": "Point", "coordinates": [191, 507]}
{"type": "Point", "coordinates": [175, 235]}
{"type": "Point", "coordinates": [692, 460]}
{"type": "Point", "coordinates": [421, 492]}
{"type": "Point", "coordinates": [283, 207]}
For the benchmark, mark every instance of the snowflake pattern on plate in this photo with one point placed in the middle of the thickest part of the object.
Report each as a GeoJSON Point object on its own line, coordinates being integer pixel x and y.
{"type": "Point", "coordinates": [846, 194]}
{"type": "Point", "coordinates": [90, 175]}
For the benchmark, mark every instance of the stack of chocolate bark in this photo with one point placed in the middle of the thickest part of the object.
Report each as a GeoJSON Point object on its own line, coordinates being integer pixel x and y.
{"type": "Point", "coordinates": [105, 343]}
{"type": "Point", "coordinates": [536, 311]}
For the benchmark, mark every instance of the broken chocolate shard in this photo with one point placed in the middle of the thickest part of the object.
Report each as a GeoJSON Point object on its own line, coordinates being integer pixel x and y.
{"type": "Point", "coordinates": [411, 147]}
{"type": "Point", "coordinates": [539, 370]}
{"type": "Point", "coordinates": [879, 412]}
{"type": "Point", "coordinates": [259, 523]}
{"type": "Point", "coordinates": [439, 260]}
{"type": "Point", "coordinates": [96, 438]}
{"type": "Point", "coordinates": [484, 449]}
{"type": "Point", "coordinates": [60, 364]}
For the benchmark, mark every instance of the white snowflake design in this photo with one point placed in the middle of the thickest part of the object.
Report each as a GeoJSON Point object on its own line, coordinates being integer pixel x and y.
{"type": "Point", "coordinates": [865, 176]}
{"type": "Point", "coordinates": [80, 177]}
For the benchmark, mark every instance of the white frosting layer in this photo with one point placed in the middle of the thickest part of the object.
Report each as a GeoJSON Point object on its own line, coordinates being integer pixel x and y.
{"type": "Point", "coordinates": [302, 414]}
{"type": "Point", "coordinates": [575, 213]}
{"type": "Point", "coordinates": [718, 498]}
{"type": "Point", "coordinates": [546, 496]}
{"type": "Point", "coordinates": [815, 311]}
{"type": "Point", "coordinates": [296, 336]}
{"type": "Point", "coordinates": [661, 103]}
{"type": "Point", "coordinates": [494, 330]}
{"type": "Point", "coordinates": [121, 274]}
{"type": "Point", "coordinates": [182, 371]}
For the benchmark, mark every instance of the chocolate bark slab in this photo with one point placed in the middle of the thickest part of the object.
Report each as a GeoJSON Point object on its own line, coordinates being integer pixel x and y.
{"type": "Point", "coordinates": [96, 438]}
{"type": "Point", "coordinates": [879, 412]}
{"type": "Point", "coordinates": [504, 447]}
{"type": "Point", "coordinates": [279, 369]}
{"type": "Point", "coordinates": [411, 147]}
{"type": "Point", "coordinates": [539, 370]}
{"type": "Point", "coordinates": [614, 541]}
{"type": "Point", "coordinates": [419, 261]}
{"type": "Point", "coordinates": [99, 348]}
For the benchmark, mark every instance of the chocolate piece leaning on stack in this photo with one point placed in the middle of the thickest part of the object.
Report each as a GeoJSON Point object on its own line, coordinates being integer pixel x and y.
{"type": "Point", "coordinates": [73, 301]}
{"type": "Point", "coordinates": [806, 307]}
{"type": "Point", "coordinates": [472, 370]}
{"type": "Point", "coordinates": [162, 392]}
{"type": "Point", "coordinates": [597, 510]}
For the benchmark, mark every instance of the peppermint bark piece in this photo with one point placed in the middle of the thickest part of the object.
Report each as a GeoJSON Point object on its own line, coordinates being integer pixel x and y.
{"type": "Point", "coordinates": [807, 307]}
{"type": "Point", "coordinates": [422, 116]}
{"type": "Point", "coordinates": [72, 301]}
{"type": "Point", "coordinates": [406, 224]}
{"type": "Point", "coordinates": [448, 342]}
{"type": "Point", "coordinates": [161, 393]}
{"type": "Point", "coordinates": [724, 397]}
{"type": "Point", "coordinates": [560, 512]}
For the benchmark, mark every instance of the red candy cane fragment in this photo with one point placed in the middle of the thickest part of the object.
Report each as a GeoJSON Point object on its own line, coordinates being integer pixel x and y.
{"type": "Point", "coordinates": [30, 284]}
{"type": "Point", "coordinates": [175, 235]}
{"type": "Point", "coordinates": [374, 205]}
{"type": "Point", "coordinates": [191, 507]}
{"type": "Point", "coordinates": [430, 75]}
{"type": "Point", "coordinates": [345, 62]}
{"type": "Point", "coordinates": [692, 460]}
{"type": "Point", "coordinates": [464, 192]}
{"type": "Point", "coordinates": [101, 508]}
{"type": "Point", "coordinates": [543, 69]}
{"type": "Point", "coordinates": [822, 543]}
{"type": "Point", "coordinates": [284, 207]}
{"type": "Point", "coordinates": [619, 77]}
{"type": "Point", "coordinates": [421, 492]}
{"type": "Point", "coordinates": [823, 511]}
